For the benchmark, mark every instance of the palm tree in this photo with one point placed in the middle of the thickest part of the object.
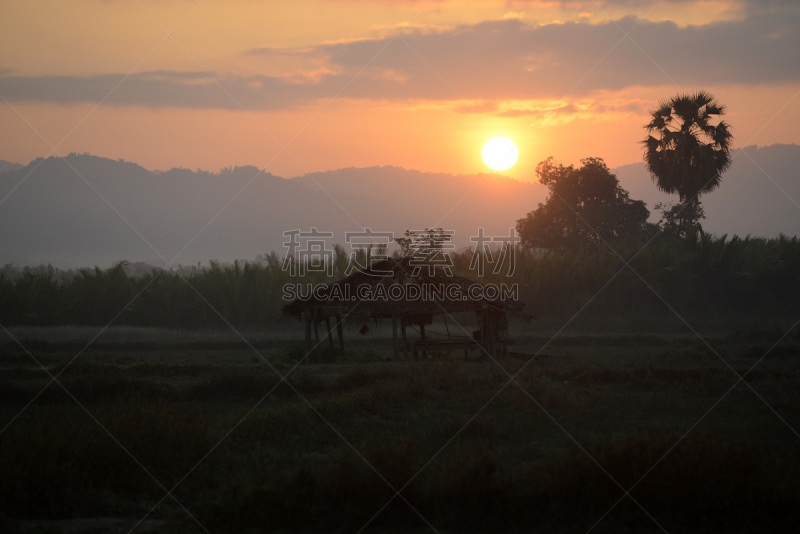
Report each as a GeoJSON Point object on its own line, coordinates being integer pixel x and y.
{"type": "Point", "coordinates": [688, 153]}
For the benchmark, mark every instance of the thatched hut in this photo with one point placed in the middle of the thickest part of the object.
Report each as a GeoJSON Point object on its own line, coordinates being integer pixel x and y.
{"type": "Point", "coordinates": [411, 296]}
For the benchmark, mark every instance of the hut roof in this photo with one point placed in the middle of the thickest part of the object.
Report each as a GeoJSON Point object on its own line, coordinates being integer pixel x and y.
{"type": "Point", "coordinates": [343, 294]}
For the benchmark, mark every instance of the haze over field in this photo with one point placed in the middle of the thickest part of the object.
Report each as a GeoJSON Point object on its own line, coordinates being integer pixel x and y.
{"type": "Point", "coordinates": [84, 210]}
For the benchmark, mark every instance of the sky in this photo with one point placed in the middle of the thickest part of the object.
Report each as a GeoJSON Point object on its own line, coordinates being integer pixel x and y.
{"type": "Point", "coordinates": [299, 86]}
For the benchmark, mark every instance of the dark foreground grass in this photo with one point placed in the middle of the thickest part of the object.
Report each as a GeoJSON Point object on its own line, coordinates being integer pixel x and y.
{"type": "Point", "coordinates": [599, 438]}
{"type": "Point", "coordinates": [703, 482]}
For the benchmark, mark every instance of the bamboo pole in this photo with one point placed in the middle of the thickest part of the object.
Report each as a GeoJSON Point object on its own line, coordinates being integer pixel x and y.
{"type": "Point", "coordinates": [339, 331]}
{"type": "Point", "coordinates": [405, 339]}
{"type": "Point", "coordinates": [316, 328]}
{"type": "Point", "coordinates": [330, 336]}
{"type": "Point", "coordinates": [422, 338]}
{"type": "Point", "coordinates": [309, 344]}
{"type": "Point", "coordinates": [394, 336]}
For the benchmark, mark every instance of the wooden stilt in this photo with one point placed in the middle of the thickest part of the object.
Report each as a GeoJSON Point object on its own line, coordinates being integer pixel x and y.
{"type": "Point", "coordinates": [394, 336]}
{"type": "Point", "coordinates": [422, 338]}
{"type": "Point", "coordinates": [405, 339]}
{"type": "Point", "coordinates": [330, 336]}
{"type": "Point", "coordinates": [340, 332]}
{"type": "Point", "coordinates": [491, 335]}
{"type": "Point", "coordinates": [309, 344]}
{"type": "Point", "coordinates": [316, 330]}
{"type": "Point", "coordinates": [482, 331]}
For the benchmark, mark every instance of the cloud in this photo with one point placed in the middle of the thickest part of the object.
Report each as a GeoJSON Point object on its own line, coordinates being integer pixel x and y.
{"type": "Point", "coordinates": [280, 51]}
{"type": "Point", "coordinates": [550, 112]}
{"type": "Point", "coordinates": [411, 28]}
{"type": "Point", "coordinates": [502, 60]}
{"type": "Point", "coordinates": [510, 59]}
{"type": "Point", "coordinates": [154, 89]}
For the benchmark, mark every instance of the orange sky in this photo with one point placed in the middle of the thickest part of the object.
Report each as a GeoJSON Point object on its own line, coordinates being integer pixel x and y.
{"type": "Point", "coordinates": [417, 84]}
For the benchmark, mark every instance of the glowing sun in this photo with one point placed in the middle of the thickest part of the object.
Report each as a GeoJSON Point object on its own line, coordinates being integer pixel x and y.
{"type": "Point", "coordinates": [500, 153]}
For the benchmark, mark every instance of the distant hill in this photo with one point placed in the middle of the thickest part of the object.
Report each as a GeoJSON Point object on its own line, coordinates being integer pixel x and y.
{"type": "Point", "coordinates": [396, 199]}
{"type": "Point", "coordinates": [6, 166]}
{"type": "Point", "coordinates": [83, 210]}
{"type": "Point", "coordinates": [759, 194]}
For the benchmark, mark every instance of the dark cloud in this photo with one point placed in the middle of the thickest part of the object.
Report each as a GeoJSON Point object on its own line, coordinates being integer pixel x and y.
{"type": "Point", "coordinates": [508, 59]}
{"type": "Point", "coordinates": [155, 89]}
{"type": "Point", "coordinates": [493, 60]}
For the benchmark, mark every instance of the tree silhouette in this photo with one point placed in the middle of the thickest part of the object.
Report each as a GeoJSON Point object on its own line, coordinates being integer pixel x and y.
{"type": "Point", "coordinates": [422, 242]}
{"type": "Point", "coordinates": [586, 206]}
{"type": "Point", "coordinates": [685, 153]}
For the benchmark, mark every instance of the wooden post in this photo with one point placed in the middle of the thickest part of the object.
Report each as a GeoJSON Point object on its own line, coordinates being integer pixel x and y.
{"type": "Point", "coordinates": [482, 330]}
{"type": "Point", "coordinates": [394, 336]}
{"type": "Point", "coordinates": [422, 338]}
{"type": "Point", "coordinates": [487, 333]}
{"type": "Point", "coordinates": [405, 339]}
{"type": "Point", "coordinates": [309, 344]}
{"type": "Point", "coordinates": [492, 337]}
{"type": "Point", "coordinates": [339, 331]}
{"type": "Point", "coordinates": [330, 336]}
{"type": "Point", "coordinates": [316, 330]}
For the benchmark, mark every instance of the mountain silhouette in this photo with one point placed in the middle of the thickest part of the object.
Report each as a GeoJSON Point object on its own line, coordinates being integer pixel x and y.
{"type": "Point", "coordinates": [6, 166]}
{"type": "Point", "coordinates": [83, 210]}
{"type": "Point", "coordinates": [759, 194]}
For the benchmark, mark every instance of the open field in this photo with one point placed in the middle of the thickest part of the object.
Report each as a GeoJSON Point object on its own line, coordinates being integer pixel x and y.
{"type": "Point", "coordinates": [152, 430]}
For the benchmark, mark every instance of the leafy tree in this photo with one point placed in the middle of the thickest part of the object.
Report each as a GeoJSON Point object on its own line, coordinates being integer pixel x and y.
{"type": "Point", "coordinates": [423, 242]}
{"type": "Point", "coordinates": [586, 206]}
{"type": "Point", "coordinates": [687, 154]}
{"type": "Point", "coordinates": [680, 220]}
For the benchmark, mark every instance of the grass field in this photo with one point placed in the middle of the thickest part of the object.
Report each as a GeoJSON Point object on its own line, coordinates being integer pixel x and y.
{"type": "Point", "coordinates": [150, 430]}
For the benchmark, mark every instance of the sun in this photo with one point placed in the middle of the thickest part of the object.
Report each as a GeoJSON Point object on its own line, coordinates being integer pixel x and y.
{"type": "Point", "coordinates": [500, 153]}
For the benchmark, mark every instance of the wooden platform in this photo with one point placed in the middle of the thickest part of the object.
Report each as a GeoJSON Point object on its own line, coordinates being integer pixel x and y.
{"type": "Point", "coordinates": [447, 345]}
{"type": "Point", "coordinates": [443, 345]}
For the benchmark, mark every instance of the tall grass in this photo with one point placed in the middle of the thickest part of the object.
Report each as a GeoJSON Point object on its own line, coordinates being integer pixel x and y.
{"type": "Point", "coordinates": [60, 461]}
{"type": "Point", "coordinates": [703, 276]}
{"type": "Point", "coordinates": [285, 466]}
{"type": "Point", "coordinates": [706, 482]}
